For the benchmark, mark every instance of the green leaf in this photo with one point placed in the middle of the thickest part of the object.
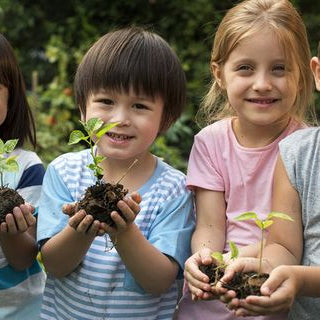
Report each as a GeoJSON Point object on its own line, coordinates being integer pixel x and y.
{"type": "Point", "coordinates": [267, 223]}
{"type": "Point", "coordinates": [105, 129]}
{"type": "Point", "coordinates": [76, 136]}
{"type": "Point", "coordinates": [98, 159]}
{"type": "Point", "coordinates": [217, 256]}
{"type": "Point", "coordinates": [10, 145]}
{"type": "Point", "coordinates": [1, 147]}
{"type": "Point", "coordinates": [280, 215]}
{"type": "Point", "coordinates": [259, 223]}
{"type": "Point", "coordinates": [234, 250]}
{"type": "Point", "coordinates": [246, 216]}
{"type": "Point", "coordinates": [93, 125]}
{"type": "Point", "coordinates": [92, 166]}
{"type": "Point", "coordinates": [11, 165]}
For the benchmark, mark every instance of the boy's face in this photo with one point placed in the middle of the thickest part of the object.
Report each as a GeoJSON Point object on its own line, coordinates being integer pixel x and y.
{"type": "Point", "coordinates": [315, 67]}
{"type": "Point", "coordinates": [139, 120]}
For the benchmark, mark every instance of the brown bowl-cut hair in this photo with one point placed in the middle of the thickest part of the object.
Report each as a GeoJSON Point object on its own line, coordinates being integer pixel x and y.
{"type": "Point", "coordinates": [133, 58]}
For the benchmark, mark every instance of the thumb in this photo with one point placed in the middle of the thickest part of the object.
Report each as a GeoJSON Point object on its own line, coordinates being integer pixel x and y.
{"type": "Point", "coordinates": [271, 285]}
{"type": "Point", "coordinates": [69, 208]}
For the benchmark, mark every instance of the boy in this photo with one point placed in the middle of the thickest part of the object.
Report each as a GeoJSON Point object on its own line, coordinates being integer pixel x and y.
{"type": "Point", "coordinates": [132, 77]}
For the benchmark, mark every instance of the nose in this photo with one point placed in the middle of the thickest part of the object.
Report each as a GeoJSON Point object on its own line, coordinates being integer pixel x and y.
{"type": "Point", "coordinates": [122, 116]}
{"type": "Point", "coordinates": [262, 82]}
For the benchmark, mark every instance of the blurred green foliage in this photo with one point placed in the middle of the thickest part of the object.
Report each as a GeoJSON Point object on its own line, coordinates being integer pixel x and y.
{"type": "Point", "coordinates": [50, 38]}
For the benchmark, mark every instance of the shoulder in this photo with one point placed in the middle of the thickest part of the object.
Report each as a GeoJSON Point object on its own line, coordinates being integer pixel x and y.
{"type": "Point", "coordinates": [302, 138]}
{"type": "Point", "coordinates": [216, 128]}
{"type": "Point", "coordinates": [26, 158]}
{"type": "Point", "coordinates": [170, 181]}
{"type": "Point", "coordinates": [71, 160]}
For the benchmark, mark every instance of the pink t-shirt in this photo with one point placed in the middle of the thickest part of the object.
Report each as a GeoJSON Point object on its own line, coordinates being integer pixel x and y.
{"type": "Point", "coordinates": [245, 175]}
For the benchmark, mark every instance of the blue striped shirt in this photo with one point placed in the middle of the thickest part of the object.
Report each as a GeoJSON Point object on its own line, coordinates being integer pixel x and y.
{"type": "Point", "coordinates": [101, 287]}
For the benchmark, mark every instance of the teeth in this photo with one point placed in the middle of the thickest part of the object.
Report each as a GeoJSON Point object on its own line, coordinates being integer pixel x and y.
{"type": "Point", "coordinates": [117, 136]}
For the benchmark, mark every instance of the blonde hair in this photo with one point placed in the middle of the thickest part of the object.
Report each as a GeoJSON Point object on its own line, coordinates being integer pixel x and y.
{"type": "Point", "coordinates": [245, 19]}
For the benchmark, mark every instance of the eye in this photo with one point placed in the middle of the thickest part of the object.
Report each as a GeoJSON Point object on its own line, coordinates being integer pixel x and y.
{"type": "Point", "coordinates": [245, 69]}
{"type": "Point", "coordinates": [105, 101]}
{"type": "Point", "coordinates": [279, 69]}
{"type": "Point", "coordinates": [139, 106]}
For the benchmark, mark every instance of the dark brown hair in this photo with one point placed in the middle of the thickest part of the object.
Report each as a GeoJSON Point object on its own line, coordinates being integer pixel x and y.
{"type": "Point", "coordinates": [19, 122]}
{"type": "Point", "coordinates": [133, 58]}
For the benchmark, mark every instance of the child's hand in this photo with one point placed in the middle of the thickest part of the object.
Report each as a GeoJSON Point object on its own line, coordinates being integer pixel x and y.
{"type": "Point", "coordinates": [84, 224]}
{"type": "Point", "coordinates": [239, 265]}
{"type": "Point", "coordinates": [129, 208]}
{"type": "Point", "coordinates": [278, 293]}
{"type": "Point", "coordinates": [198, 282]}
{"type": "Point", "coordinates": [19, 220]}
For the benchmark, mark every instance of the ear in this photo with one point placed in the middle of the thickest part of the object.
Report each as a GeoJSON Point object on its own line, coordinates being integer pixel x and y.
{"type": "Point", "coordinates": [217, 74]}
{"type": "Point", "coordinates": [315, 68]}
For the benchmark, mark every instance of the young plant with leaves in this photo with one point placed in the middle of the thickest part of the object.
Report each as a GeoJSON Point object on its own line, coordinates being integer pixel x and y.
{"type": "Point", "coordinates": [215, 271]}
{"type": "Point", "coordinates": [100, 199]}
{"type": "Point", "coordinates": [95, 129]}
{"type": "Point", "coordinates": [263, 224]}
{"type": "Point", "coordinates": [9, 198]}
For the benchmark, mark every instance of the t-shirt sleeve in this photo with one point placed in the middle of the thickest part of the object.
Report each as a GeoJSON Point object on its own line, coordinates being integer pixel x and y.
{"type": "Point", "coordinates": [202, 166]}
{"type": "Point", "coordinates": [54, 195]}
{"type": "Point", "coordinates": [287, 153]}
{"type": "Point", "coordinates": [172, 229]}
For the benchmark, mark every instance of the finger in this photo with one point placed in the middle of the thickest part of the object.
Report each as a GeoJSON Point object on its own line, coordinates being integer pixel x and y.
{"type": "Point", "coordinates": [69, 208]}
{"type": "Point", "coordinates": [20, 221]}
{"type": "Point", "coordinates": [93, 228]}
{"type": "Point", "coordinates": [28, 216]}
{"type": "Point", "coordinates": [194, 282]}
{"type": "Point", "coordinates": [136, 197]}
{"type": "Point", "coordinates": [75, 220]}
{"type": "Point", "coordinates": [3, 227]}
{"type": "Point", "coordinates": [118, 220]}
{"type": "Point", "coordinates": [128, 214]}
{"type": "Point", "coordinates": [11, 223]}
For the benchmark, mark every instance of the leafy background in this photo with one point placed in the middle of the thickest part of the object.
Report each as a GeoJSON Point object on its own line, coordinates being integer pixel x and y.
{"type": "Point", "coordinates": [50, 38]}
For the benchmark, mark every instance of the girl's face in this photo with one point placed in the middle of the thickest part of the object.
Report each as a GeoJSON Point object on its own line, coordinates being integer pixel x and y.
{"type": "Point", "coordinates": [4, 96]}
{"type": "Point", "coordinates": [259, 84]}
{"type": "Point", "coordinates": [139, 120]}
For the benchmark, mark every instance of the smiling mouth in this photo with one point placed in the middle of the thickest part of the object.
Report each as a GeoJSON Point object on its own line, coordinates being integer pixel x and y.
{"type": "Point", "coordinates": [118, 137]}
{"type": "Point", "coordinates": [263, 101]}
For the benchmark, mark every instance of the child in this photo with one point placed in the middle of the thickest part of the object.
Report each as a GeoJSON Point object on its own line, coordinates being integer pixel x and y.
{"type": "Point", "coordinates": [130, 76]}
{"type": "Point", "coordinates": [260, 93]}
{"type": "Point", "coordinates": [21, 278]}
{"type": "Point", "coordinates": [296, 191]}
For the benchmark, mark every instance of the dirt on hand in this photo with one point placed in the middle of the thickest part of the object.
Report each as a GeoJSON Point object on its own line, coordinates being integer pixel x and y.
{"type": "Point", "coordinates": [9, 199]}
{"type": "Point", "coordinates": [100, 200]}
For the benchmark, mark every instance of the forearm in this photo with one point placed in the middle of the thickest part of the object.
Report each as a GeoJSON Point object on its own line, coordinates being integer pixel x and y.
{"type": "Point", "coordinates": [277, 255]}
{"type": "Point", "coordinates": [20, 250]}
{"type": "Point", "coordinates": [152, 269]}
{"type": "Point", "coordinates": [208, 237]}
{"type": "Point", "coordinates": [65, 251]}
{"type": "Point", "coordinates": [307, 280]}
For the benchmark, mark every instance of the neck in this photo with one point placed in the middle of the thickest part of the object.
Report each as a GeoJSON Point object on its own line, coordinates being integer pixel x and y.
{"type": "Point", "coordinates": [132, 178]}
{"type": "Point", "coordinates": [255, 136]}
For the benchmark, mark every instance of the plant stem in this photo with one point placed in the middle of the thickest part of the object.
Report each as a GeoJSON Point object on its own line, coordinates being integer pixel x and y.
{"type": "Point", "coordinates": [261, 250]}
{"type": "Point", "coordinates": [1, 175]}
{"type": "Point", "coordinates": [132, 164]}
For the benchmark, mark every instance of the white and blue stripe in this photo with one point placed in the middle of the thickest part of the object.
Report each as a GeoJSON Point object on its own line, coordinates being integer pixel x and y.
{"type": "Point", "coordinates": [101, 287]}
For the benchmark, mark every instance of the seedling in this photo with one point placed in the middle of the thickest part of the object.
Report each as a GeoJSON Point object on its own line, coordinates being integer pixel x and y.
{"type": "Point", "coordinates": [263, 225]}
{"type": "Point", "coordinates": [100, 199]}
{"type": "Point", "coordinates": [216, 271]}
{"type": "Point", "coordinates": [7, 164]}
{"type": "Point", "coordinates": [9, 198]}
{"type": "Point", "coordinates": [95, 130]}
